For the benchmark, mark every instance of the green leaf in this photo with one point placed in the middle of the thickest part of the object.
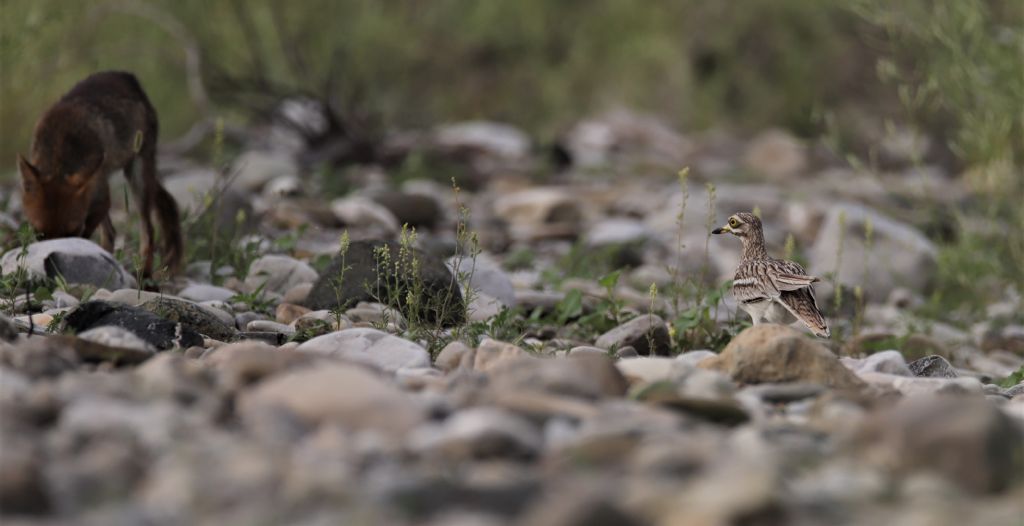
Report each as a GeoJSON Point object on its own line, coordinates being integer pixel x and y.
{"type": "Point", "coordinates": [610, 280]}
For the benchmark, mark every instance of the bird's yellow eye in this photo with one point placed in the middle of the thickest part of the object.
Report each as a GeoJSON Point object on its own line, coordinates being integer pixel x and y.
{"type": "Point", "coordinates": [733, 222]}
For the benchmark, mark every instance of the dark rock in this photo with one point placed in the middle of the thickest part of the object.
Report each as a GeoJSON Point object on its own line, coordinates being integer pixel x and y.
{"type": "Point", "coordinates": [158, 332]}
{"type": "Point", "coordinates": [190, 315]}
{"type": "Point", "coordinates": [411, 209]}
{"type": "Point", "coordinates": [933, 366]}
{"type": "Point", "coordinates": [368, 277]}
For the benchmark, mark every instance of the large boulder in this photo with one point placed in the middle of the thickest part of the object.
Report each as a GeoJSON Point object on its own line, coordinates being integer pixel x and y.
{"type": "Point", "coordinates": [383, 272]}
{"type": "Point", "coordinates": [899, 255]}
{"type": "Point", "coordinates": [77, 260]}
{"type": "Point", "coordinates": [769, 353]}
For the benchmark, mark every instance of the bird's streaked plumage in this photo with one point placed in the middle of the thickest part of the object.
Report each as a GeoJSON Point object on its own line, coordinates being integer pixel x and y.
{"type": "Point", "coordinates": [769, 289]}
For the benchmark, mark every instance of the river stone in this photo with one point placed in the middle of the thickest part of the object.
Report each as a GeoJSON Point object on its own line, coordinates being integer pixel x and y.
{"type": "Point", "coordinates": [777, 353]}
{"type": "Point", "coordinates": [158, 332]}
{"type": "Point", "coordinates": [481, 432]}
{"type": "Point", "coordinates": [77, 260]}
{"type": "Point", "coordinates": [278, 274]}
{"type": "Point", "coordinates": [200, 292]}
{"type": "Point", "coordinates": [379, 348]}
{"type": "Point", "coordinates": [967, 440]}
{"type": "Point", "coordinates": [442, 300]}
{"type": "Point", "coordinates": [646, 333]}
{"type": "Point", "coordinates": [191, 315]}
{"type": "Point", "coordinates": [345, 394]}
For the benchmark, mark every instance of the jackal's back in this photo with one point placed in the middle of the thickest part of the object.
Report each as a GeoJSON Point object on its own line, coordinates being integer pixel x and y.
{"type": "Point", "coordinates": [106, 115]}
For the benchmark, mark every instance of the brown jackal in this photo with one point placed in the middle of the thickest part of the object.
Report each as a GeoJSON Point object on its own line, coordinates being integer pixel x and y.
{"type": "Point", "coordinates": [105, 123]}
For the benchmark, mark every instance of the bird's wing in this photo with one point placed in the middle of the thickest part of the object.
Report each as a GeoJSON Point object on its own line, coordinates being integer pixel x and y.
{"type": "Point", "coordinates": [788, 275]}
{"type": "Point", "coordinates": [801, 304]}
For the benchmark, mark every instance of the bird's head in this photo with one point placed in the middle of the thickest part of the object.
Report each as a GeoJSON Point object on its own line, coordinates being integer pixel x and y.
{"type": "Point", "coordinates": [740, 224]}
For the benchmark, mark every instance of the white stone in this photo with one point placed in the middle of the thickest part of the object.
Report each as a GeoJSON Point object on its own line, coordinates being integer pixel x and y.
{"type": "Point", "coordinates": [378, 348]}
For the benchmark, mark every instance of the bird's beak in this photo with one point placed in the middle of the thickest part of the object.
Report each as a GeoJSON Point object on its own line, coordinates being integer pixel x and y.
{"type": "Point", "coordinates": [722, 229]}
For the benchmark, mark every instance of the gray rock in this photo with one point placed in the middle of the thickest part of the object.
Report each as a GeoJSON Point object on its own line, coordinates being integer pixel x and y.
{"type": "Point", "coordinates": [379, 348]}
{"type": "Point", "coordinates": [133, 297]}
{"type": "Point", "coordinates": [616, 231]}
{"type": "Point", "coordinates": [278, 274]}
{"type": "Point", "coordinates": [913, 386]}
{"type": "Point", "coordinates": [480, 432]}
{"type": "Point", "coordinates": [191, 316]}
{"type": "Point", "coordinates": [541, 213]}
{"type": "Point", "coordinates": [899, 256]}
{"type": "Point", "coordinates": [933, 366]}
{"type": "Point", "coordinates": [255, 168]}
{"type": "Point", "coordinates": [486, 276]}
{"type": "Point", "coordinates": [967, 440]}
{"type": "Point", "coordinates": [269, 326]}
{"type": "Point", "coordinates": [646, 333]}
{"type": "Point", "coordinates": [367, 280]}
{"type": "Point", "coordinates": [39, 357]}
{"type": "Point", "coordinates": [587, 377]}
{"type": "Point", "coordinates": [78, 260]}
{"type": "Point", "coordinates": [583, 350]}
{"type": "Point", "coordinates": [200, 292]}
{"type": "Point", "coordinates": [692, 358]}
{"type": "Point", "coordinates": [1016, 390]}
{"type": "Point", "coordinates": [365, 215]}
{"type": "Point", "coordinates": [890, 362]}
{"type": "Point", "coordinates": [492, 139]}
{"type": "Point", "coordinates": [158, 332]}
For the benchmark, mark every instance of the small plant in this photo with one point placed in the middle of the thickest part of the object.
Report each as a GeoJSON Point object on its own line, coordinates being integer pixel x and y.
{"type": "Point", "coordinates": [338, 283]}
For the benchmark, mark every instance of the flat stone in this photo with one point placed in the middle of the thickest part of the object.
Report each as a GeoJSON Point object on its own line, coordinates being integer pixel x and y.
{"type": "Point", "coordinates": [389, 353]}
{"type": "Point", "coordinates": [344, 394]}
{"type": "Point", "coordinates": [646, 333]}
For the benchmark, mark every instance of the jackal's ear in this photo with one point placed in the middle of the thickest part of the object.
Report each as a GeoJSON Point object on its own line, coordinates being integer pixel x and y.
{"type": "Point", "coordinates": [29, 173]}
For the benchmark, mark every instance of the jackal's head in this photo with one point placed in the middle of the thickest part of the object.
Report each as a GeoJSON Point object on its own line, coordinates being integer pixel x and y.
{"type": "Point", "coordinates": [57, 204]}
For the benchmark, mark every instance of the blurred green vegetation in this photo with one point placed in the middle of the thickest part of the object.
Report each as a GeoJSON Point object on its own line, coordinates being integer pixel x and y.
{"type": "Point", "coordinates": [534, 63]}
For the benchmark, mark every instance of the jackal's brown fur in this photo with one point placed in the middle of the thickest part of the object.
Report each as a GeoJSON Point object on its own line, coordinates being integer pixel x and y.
{"type": "Point", "coordinates": [105, 123]}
